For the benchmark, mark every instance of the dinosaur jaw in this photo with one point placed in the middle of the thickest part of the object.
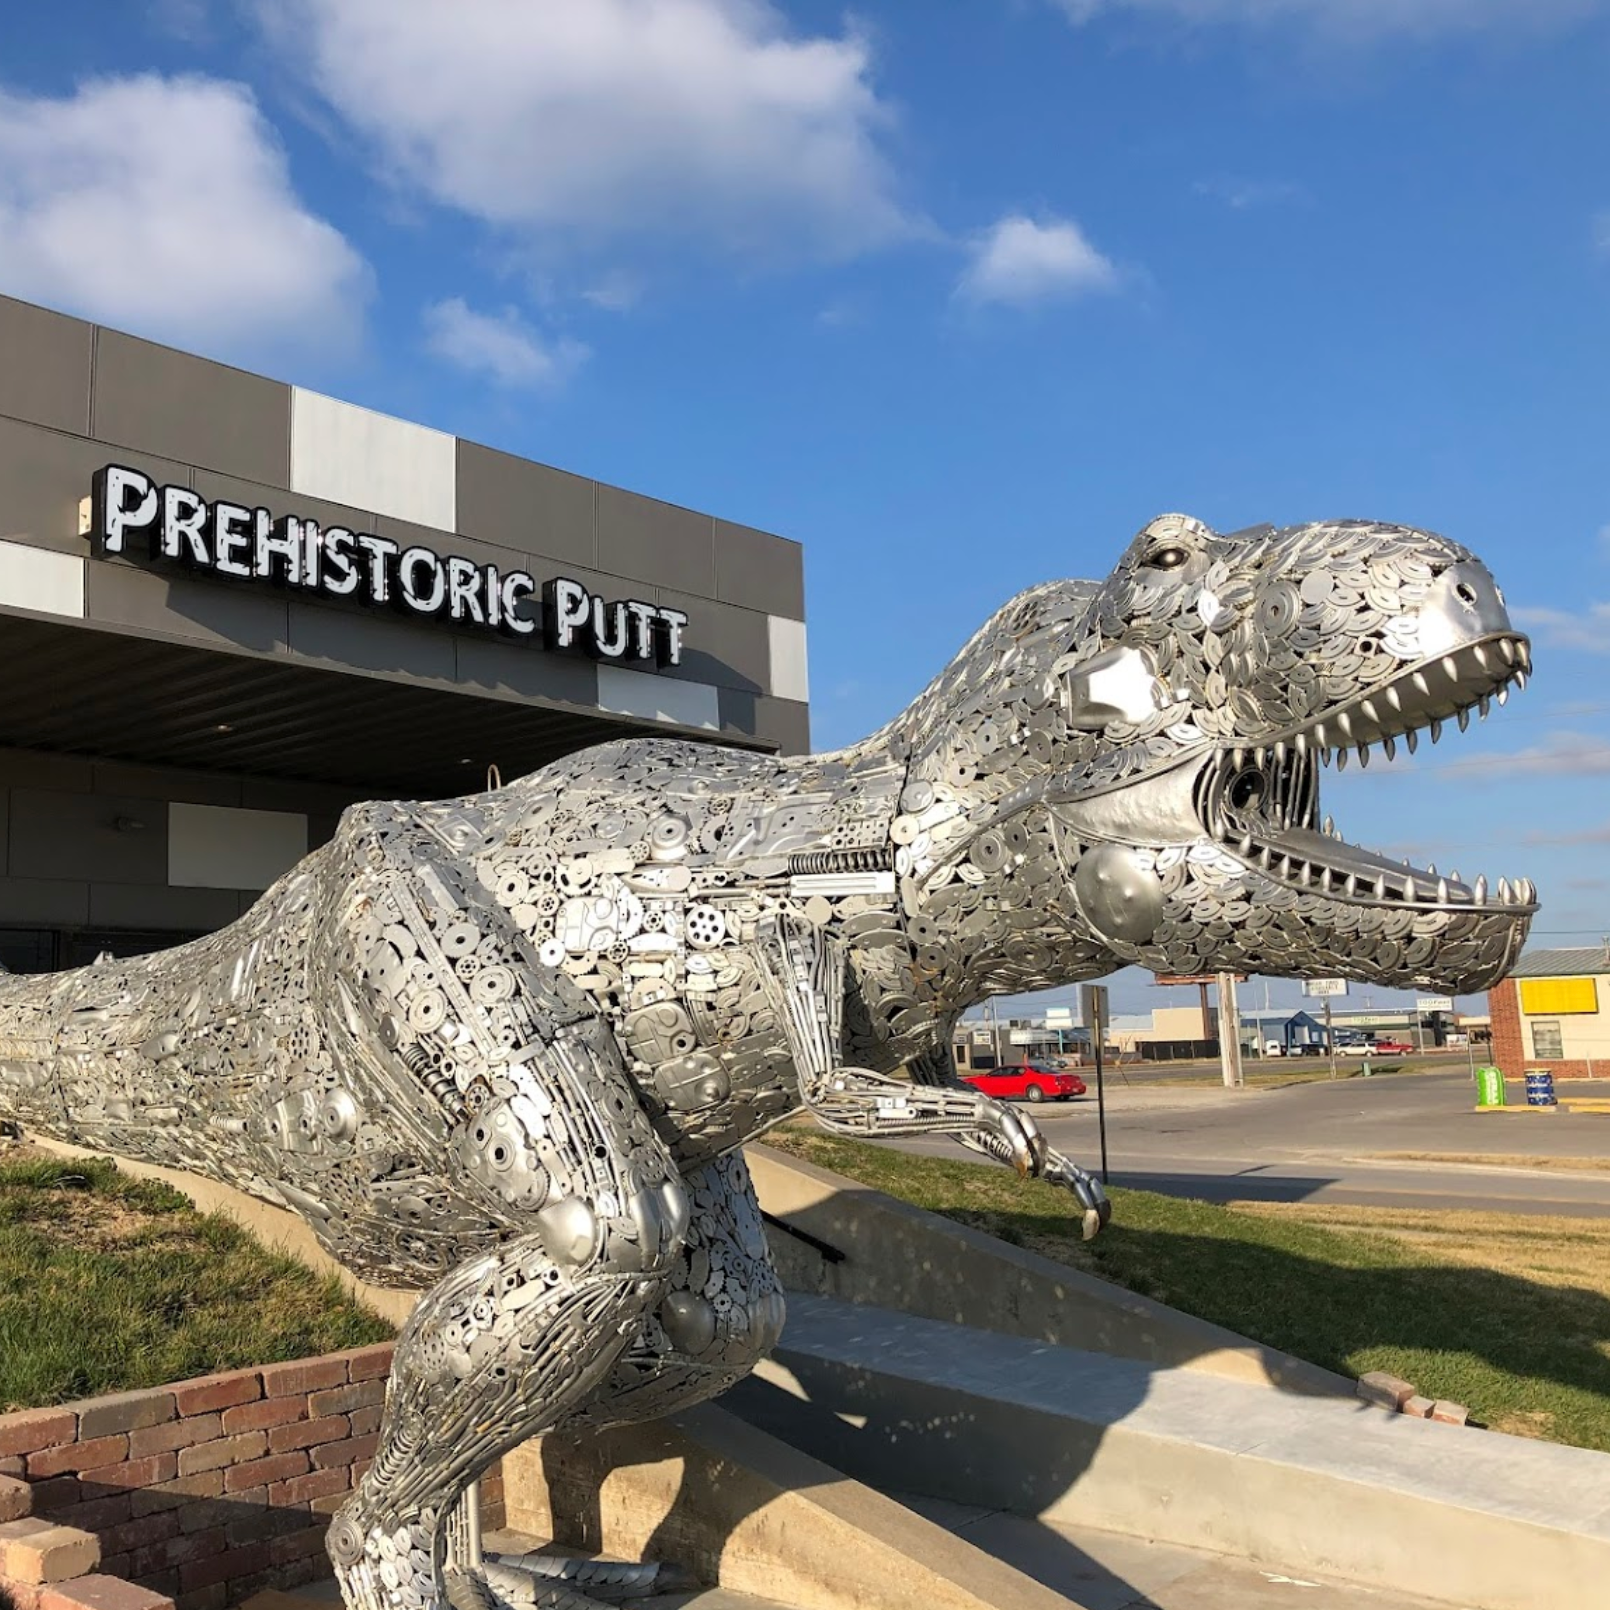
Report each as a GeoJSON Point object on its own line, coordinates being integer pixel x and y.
{"type": "Point", "coordinates": [1261, 802]}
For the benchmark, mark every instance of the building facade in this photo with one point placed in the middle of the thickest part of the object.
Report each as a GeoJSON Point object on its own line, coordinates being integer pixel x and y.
{"type": "Point", "coordinates": [1553, 1012]}
{"type": "Point", "coordinates": [230, 607]}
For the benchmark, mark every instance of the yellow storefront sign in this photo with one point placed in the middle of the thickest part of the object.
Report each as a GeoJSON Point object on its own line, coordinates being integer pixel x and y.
{"type": "Point", "coordinates": [1549, 997]}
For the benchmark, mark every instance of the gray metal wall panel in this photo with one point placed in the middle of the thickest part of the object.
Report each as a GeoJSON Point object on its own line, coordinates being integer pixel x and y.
{"type": "Point", "coordinates": [727, 646]}
{"type": "Point", "coordinates": [527, 671]}
{"type": "Point", "coordinates": [370, 642]}
{"type": "Point", "coordinates": [5, 831]}
{"type": "Point", "coordinates": [123, 905]}
{"type": "Point", "coordinates": [737, 712]}
{"type": "Point", "coordinates": [56, 835]}
{"type": "Point", "coordinates": [161, 782]}
{"type": "Point", "coordinates": [310, 799]}
{"type": "Point", "coordinates": [448, 542]}
{"type": "Point", "coordinates": [44, 475]}
{"type": "Point", "coordinates": [45, 367]}
{"type": "Point", "coordinates": [520, 504]}
{"type": "Point", "coordinates": [786, 722]}
{"type": "Point", "coordinates": [656, 542]}
{"type": "Point", "coordinates": [42, 901]}
{"type": "Point", "coordinates": [170, 603]}
{"type": "Point", "coordinates": [759, 571]}
{"type": "Point", "coordinates": [156, 400]}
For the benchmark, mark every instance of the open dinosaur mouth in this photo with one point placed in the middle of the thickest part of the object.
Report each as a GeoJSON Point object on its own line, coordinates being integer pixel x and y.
{"type": "Point", "coordinates": [1262, 801]}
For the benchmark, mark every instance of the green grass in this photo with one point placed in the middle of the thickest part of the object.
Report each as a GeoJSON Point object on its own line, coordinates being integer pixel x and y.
{"type": "Point", "coordinates": [108, 1283]}
{"type": "Point", "coordinates": [1509, 1315]}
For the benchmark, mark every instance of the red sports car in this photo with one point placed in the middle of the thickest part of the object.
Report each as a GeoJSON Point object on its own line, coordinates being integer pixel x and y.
{"type": "Point", "coordinates": [1028, 1080]}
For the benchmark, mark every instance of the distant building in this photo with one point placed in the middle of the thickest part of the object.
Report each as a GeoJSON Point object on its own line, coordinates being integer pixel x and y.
{"type": "Point", "coordinates": [1551, 1013]}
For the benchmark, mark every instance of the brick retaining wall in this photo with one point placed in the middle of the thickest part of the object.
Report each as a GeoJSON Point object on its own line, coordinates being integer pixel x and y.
{"type": "Point", "coordinates": [208, 1490]}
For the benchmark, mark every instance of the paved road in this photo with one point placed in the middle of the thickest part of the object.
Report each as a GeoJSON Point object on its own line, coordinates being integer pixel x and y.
{"type": "Point", "coordinates": [1322, 1142]}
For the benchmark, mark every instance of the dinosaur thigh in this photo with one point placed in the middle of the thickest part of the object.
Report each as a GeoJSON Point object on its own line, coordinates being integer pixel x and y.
{"type": "Point", "coordinates": [721, 1314]}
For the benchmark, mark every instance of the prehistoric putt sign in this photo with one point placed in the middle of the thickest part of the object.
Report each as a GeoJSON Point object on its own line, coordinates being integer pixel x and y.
{"type": "Point", "coordinates": [133, 517]}
{"type": "Point", "coordinates": [1325, 986]}
{"type": "Point", "coordinates": [1434, 1003]}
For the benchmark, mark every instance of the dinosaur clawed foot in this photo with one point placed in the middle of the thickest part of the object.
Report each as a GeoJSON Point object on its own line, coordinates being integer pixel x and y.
{"type": "Point", "coordinates": [541, 1581]}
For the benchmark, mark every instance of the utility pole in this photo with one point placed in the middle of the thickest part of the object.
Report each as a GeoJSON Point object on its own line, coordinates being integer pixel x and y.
{"type": "Point", "coordinates": [1229, 1032]}
{"type": "Point", "coordinates": [1330, 1038]}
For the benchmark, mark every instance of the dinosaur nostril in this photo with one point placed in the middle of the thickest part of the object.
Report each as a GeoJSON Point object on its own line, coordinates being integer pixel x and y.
{"type": "Point", "coordinates": [1466, 594]}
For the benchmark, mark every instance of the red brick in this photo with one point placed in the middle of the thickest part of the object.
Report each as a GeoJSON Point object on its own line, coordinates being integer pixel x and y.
{"type": "Point", "coordinates": [148, 1440]}
{"type": "Point", "coordinates": [115, 1565]}
{"type": "Point", "coordinates": [223, 1391]}
{"type": "Point", "coordinates": [339, 1399]}
{"type": "Point", "coordinates": [95, 1513]}
{"type": "Point", "coordinates": [330, 1504]}
{"type": "Point", "coordinates": [145, 1472]}
{"type": "Point", "coordinates": [1450, 1414]}
{"type": "Point", "coordinates": [303, 1375]}
{"type": "Point", "coordinates": [211, 1598]}
{"type": "Point", "coordinates": [163, 1582]}
{"type": "Point", "coordinates": [13, 1464]}
{"type": "Point", "coordinates": [178, 1494]}
{"type": "Point", "coordinates": [315, 1484]}
{"type": "Point", "coordinates": [308, 1433]}
{"type": "Point", "coordinates": [1385, 1390]}
{"type": "Point", "coordinates": [56, 1493]}
{"type": "Point", "coordinates": [79, 1456]}
{"type": "Point", "coordinates": [44, 1551]}
{"type": "Point", "coordinates": [360, 1468]}
{"type": "Point", "coordinates": [16, 1499]}
{"type": "Point", "coordinates": [368, 1363]}
{"type": "Point", "coordinates": [259, 1472]}
{"type": "Point", "coordinates": [363, 1421]}
{"type": "Point", "coordinates": [102, 1593]}
{"type": "Point", "coordinates": [123, 1411]}
{"type": "Point", "coordinates": [345, 1453]}
{"type": "Point", "coordinates": [187, 1546]}
{"type": "Point", "coordinates": [305, 1544]}
{"type": "Point", "coordinates": [1418, 1408]}
{"type": "Point", "coordinates": [226, 1451]}
{"type": "Point", "coordinates": [21, 1595]}
{"type": "Point", "coordinates": [261, 1416]}
{"type": "Point", "coordinates": [224, 1567]}
{"type": "Point", "coordinates": [29, 1430]}
{"type": "Point", "coordinates": [139, 1533]}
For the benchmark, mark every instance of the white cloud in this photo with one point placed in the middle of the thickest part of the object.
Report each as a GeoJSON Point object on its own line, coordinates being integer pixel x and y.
{"type": "Point", "coordinates": [163, 205]}
{"type": "Point", "coordinates": [1561, 754]}
{"type": "Point", "coordinates": [1588, 631]}
{"type": "Point", "coordinates": [1351, 18]}
{"type": "Point", "coordinates": [501, 346]}
{"type": "Point", "coordinates": [1240, 194]}
{"type": "Point", "coordinates": [1019, 261]}
{"type": "Point", "coordinates": [707, 120]}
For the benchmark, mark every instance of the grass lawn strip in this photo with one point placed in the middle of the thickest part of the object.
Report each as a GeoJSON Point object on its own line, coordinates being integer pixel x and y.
{"type": "Point", "coordinates": [1508, 1314]}
{"type": "Point", "coordinates": [109, 1283]}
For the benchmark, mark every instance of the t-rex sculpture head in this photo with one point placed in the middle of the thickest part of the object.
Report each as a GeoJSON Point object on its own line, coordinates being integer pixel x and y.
{"type": "Point", "coordinates": [1164, 731]}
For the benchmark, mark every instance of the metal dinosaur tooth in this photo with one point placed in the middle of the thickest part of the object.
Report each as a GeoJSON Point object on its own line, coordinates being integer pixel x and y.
{"type": "Point", "coordinates": [1507, 649]}
{"type": "Point", "coordinates": [1393, 698]}
{"type": "Point", "coordinates": [1350, 886]}
{"type": "Point", "coordinates": [1503, 694]}
{"type": "Point", "coordinates": [1481, 889]}
{"type": "Point", "coordinates": [1301, 741]}
{"type": "Point", "coordinates": [1329, 828]}
{"type": "Point", "coordinates": [1258, 756]}
{"type": "Point", "coordinates": [1280, 752]}
{"type": "Point", "coordinates": [1480, 653]}
{"type": "Point", "coordinates": [1463, 718]}
{"type": "Point", "coordinates": [1369, 709]}
{"type": "Point", "coordinates": [1245, 844]}
{"type": "Point", "coordinates": [1520, 680]}
{"type": "Point", "coordinates": [1483, 705]}
{"type": "Point", "coordinates": [1503, 891]}
{"type": "Point", "coordinates": [1390, 746]}
{"type": "Point", "coordinates": [1450, 667]}
{"type": "Point", "coordinates": [1436, 730]}
{"type": "Point", "coordinates": [1523, 653]}
{"type": "Point", "coordinates": [1345, 722]}
{"type": "Point", "coordinates": [1453, 877]}
{"type": "Point", "coordinates": [1341, 759]}
{"type": "Point", "coordinates": [1363, 754]}
{"type": "Point", "coordinates": [1431, 867]}
{"type": "Point", "coordinates": [1442, 891]}
{"type": "Point", "coordinates": [1409, 890]}
{"type": "Point", "coordinates": [1420, 683]}
{"type": "Point", "coordinates": [1412, 739]}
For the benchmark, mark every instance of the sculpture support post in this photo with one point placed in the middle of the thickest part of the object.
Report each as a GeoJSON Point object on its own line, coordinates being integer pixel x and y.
{"type": "Point", "coordinates": [1229, 1037]}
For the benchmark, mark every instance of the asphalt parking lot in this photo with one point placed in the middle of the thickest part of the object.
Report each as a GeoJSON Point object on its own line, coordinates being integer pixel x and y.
{"type": "Point", "coordinates": [1329, 1141]}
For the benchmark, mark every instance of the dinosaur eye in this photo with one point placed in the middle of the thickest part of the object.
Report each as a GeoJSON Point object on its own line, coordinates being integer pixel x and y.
{"type": "Point", "coordinates": [1170, 557]}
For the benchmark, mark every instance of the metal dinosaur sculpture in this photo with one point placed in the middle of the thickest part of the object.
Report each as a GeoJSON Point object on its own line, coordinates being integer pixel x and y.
{"type": "Point", "coordinates": [507, 1047]}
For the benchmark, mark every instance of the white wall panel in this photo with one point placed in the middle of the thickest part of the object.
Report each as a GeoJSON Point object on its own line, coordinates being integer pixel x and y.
{"type": "Point", "coordinates": [41, 579]}
{"type": "Point", "coordinates": [223, 847]}
{"type": "Point", "coordinates": [658, 698]}
{"type": "Point", "coordinates": [790, 676]}
{"type": "Point", "coordinates": [354, 455]}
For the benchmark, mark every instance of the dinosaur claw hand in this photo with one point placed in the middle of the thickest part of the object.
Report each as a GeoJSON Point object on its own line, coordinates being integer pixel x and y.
{"type": "Point", "coordinates": [1058, 1170]}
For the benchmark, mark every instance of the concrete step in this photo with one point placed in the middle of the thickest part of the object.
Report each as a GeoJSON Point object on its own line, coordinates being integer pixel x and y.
{"type": "Point", "coordinates": [1308, 1486]}
{"type": "Point", "coordinates": [1109, 1571]}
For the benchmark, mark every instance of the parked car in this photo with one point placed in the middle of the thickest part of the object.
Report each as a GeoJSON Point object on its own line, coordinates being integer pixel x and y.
{"type": "Point", "coordinates": [1028, 1081]}
{"type": "Point", "coordinates": [1354, 1047]}
{"type": "Point", "coordinates": [1394, 1048]}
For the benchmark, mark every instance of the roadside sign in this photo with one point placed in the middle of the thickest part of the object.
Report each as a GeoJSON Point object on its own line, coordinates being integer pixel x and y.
{"type": "Point", "coordinates": [1022, 1036]}
{"type": "Point", "coordinates": [1325, 986]}
{"type": "Point", "coordinates": [1058, 1014]}
{"type": "Point", "coordinates": [1434, 1003]}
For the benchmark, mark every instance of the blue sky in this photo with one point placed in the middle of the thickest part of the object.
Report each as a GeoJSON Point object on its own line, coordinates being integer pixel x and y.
{"type": "Point", "coordinates": [958, 295]}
